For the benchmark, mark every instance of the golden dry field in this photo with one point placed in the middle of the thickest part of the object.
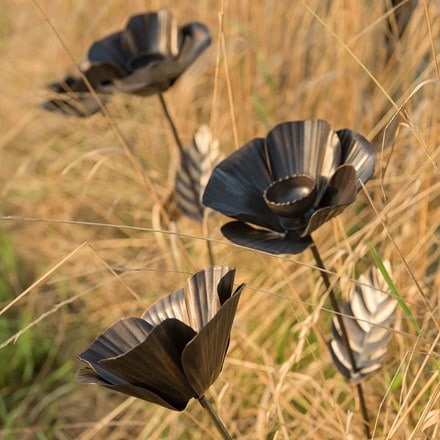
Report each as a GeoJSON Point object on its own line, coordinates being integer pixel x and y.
{"type": "Point", "coordinates": [87, 235]}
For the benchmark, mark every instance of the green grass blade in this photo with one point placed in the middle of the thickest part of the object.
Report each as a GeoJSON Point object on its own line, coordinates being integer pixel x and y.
{"type": "Point", "coordinates": [393, 289]}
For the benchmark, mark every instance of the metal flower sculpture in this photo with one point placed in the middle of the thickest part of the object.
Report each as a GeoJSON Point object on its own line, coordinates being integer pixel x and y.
{"type": "Point", "coordinates": [290, 183]}
{"type": "Point", "coordinates": [145, 58]}
{"type": "Point", "coordinates": [175, 351]}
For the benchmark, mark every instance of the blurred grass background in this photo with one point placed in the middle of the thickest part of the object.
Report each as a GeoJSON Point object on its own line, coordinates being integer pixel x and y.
{"type": "Point", "coordinates": [269, 62]}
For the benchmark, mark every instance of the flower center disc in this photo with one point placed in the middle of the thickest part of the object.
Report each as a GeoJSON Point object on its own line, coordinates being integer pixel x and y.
{"type": "Point", "coordinates": [291, 196]}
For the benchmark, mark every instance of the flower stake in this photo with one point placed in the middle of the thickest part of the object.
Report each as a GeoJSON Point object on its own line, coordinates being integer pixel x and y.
{"type": "Point", "coordinates": [289, 184]}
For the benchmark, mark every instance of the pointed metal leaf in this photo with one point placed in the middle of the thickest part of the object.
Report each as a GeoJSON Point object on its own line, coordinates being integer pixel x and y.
{"type": "Point", "coordinates": [367, 319]}
{"type": "Point", "coordinates": [203, 357]}
{"type": "Point", "coordinates": [193, 173]}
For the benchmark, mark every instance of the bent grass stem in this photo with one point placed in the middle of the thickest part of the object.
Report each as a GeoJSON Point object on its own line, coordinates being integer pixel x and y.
{"type": "Point", "coordinates": [338, 314]}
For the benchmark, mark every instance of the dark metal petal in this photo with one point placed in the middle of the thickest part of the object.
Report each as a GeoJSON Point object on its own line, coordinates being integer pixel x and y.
{"type": "Point", "coordinates": [149, 37]}
{"type": "Point", "coordinates": [171, 306]}
{"type": "Point", "coordinates": [340, 193]}
{"type": "Point", "coordinates": [202, 297]}
{"type": "Point", "coordinates": [203, 357]}
{"type": "Point", "coordinates": [264, 240]}
{"type": "Point", "coordinates": [304, 147]}
{"type": "Point", "coordinates": [108, 50]}
{"type": "Point", "coordinates": [119, 338]}
{"type": "Point", "coordinates": [87, 375]}
{"type": "Point", "coordinates": [155, 363]}
{"type": "Point", "coordinates": [196, 38]}
{"type": "Point", "coordinates": [80, 106]}
{"type": "Point", "coordinates": [198, 302]}
{"type": "Point", "coordinates": [76, 99]}
{"type": "Point", "coordinates": [357, 151]}
{"type": "Point", "coordinates": [237, 185]}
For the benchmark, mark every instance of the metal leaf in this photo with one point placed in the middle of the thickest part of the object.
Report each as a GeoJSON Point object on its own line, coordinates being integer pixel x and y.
{"type": "Point", "coordinates": [367, 318]}
{"type": "Point", "coordinates": [196, 163]}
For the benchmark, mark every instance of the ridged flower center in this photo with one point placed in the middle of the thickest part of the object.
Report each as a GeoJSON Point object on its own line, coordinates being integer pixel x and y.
{"type": "Point", "coordinates": [291, 196]}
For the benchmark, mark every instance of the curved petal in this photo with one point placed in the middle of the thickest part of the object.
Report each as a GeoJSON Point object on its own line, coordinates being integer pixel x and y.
{"type": "Point", "coordinates": [196, 38]}
{"type": "Point", "coordinates": [263, 240]}
{"type": "Point", "coordinates": [119, 338]}
{"type": "Point", "coordinates": [150, 36]}
{"type": "Point", "coordinates": [203, 357]}
{"type": "Point", "coordinates": [155, 363]}
{"type": "Point", "coordinates": [304, 147]}
{"type": "Point", "coordinates": [87, 375]}
{"type": "Point", "coordinates": [171, 306]}
{"type": "Point", "coordinates": [99, 74]}
{"type": "Point", "coordinates": [202, 297]}
{"type": "Point", "coordinates": [340, 193]}
{"type": "Point", "coordinates": [108, 50]}
{"type": "Point", "coordinates": [76, 98]}
{"type": "Point", "coordinates": [357, 151]}
{"type": "Point", "coordinates": [156, 77]}
{"type": "Point", "coordinates": [236, 186]}
{"type": "Point", "coordinates": [198, 302]}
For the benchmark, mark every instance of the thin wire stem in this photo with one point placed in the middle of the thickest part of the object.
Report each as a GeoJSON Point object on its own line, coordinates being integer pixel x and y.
{"type": "Point", "coordinates": [344, 332]}
{"type": "Point", "coordinates": [185, 165]}
{"type": "Point", "coordinates": [215, 418]}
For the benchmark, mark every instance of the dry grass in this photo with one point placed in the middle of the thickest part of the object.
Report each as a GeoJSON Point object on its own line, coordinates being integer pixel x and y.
{"type": "Point", "coordinates": [279, 63]}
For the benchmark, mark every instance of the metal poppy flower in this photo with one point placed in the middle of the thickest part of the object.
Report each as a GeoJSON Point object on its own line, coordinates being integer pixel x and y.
{"type": "Point", "coordinates": [175, 351]}
{"type": "Point", "coordinates": [145, 58]}
{"type": "Point", "coordinates": [290, 183]}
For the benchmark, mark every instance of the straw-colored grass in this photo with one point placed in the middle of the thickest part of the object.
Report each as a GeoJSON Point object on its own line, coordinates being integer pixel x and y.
{"type": "Point", "coordinates": [84, 266]}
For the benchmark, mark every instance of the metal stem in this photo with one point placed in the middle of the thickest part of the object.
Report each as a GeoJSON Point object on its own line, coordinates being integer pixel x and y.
{"type": "Point", "coordinates": [185, 165]}
{"type": "Point", "coordinates": [345, 337]}
{"type": "Point", "coordinates": [215, 418]}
